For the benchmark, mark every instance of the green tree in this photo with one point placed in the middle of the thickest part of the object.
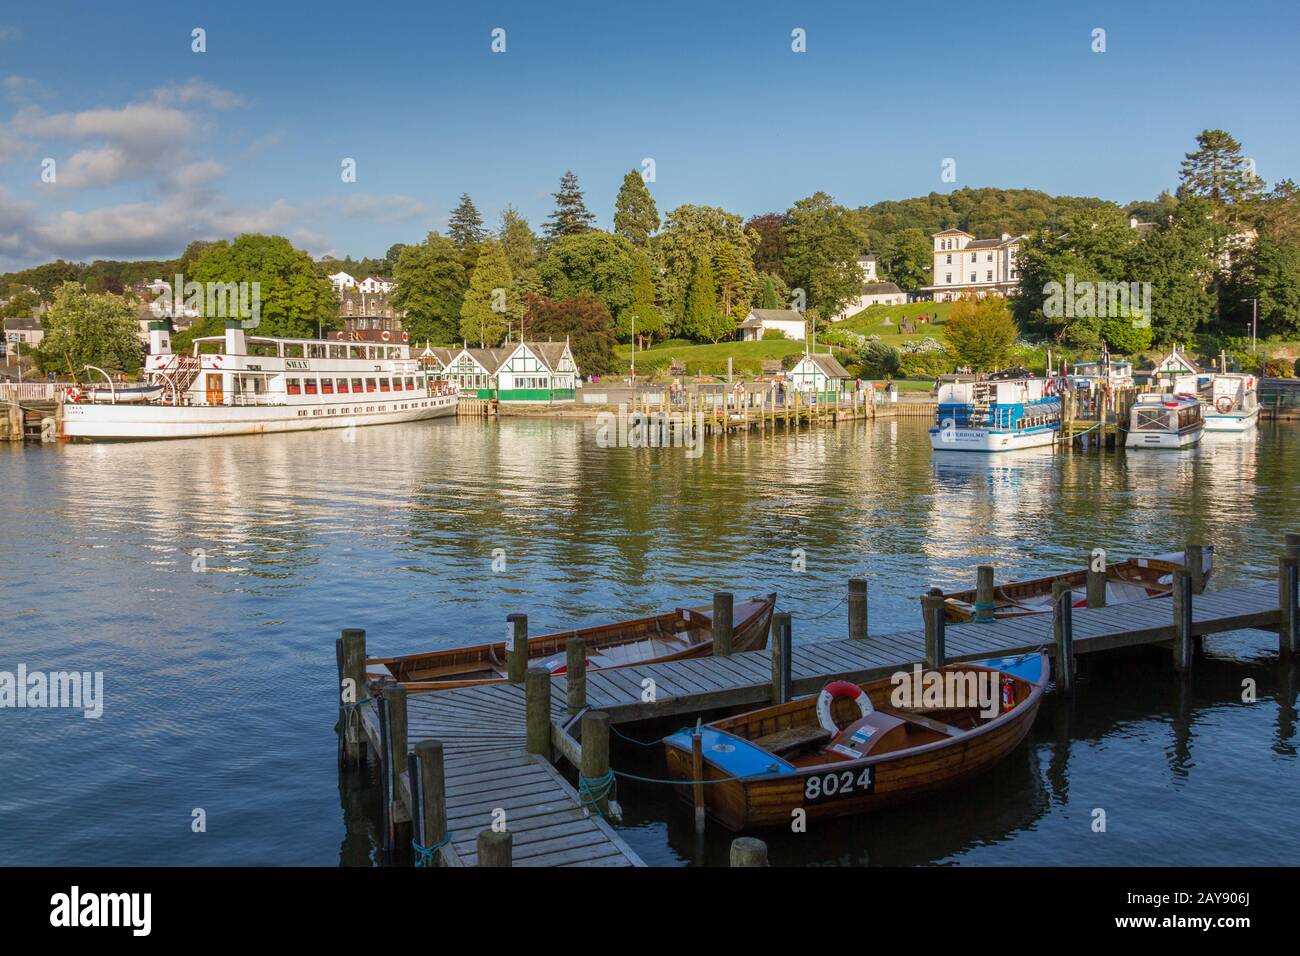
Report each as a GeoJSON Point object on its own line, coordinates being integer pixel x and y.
{"type": "Point", "coordinates": [595, 262]}
{"type": "Point", "coordinates": [910, 260]}
{"type": "Point", "coordinates": [518, 240]}
{"type": "Point", "coordinates": [483, 313]}
{"type": "Point", "coordinates": [704, 319]}
{"type": "Point", "coordinates": [1271, 275]}
{"type": "Point", "coordinates": [99, 329]}
{"type": "Point", "coordinates": [823, 248]}
{"type": "Point", "coordinates": [1177, 258]}
{"type": "Point", "coordinates": [692, 233]}
{"type": "Point", "coordinates": [636, 217]}
{"type": "Point", "coordinates": [465, 225]}
{"type": "Point", "coordinates": [772, 292]}
{"type": "Point", "coordinates": [430, 287]}
{"type": "Point", "coordinates": [1217, 171]}
{"type": "Point", "coordinates": [20, 302]}
{"type": "Point", "coordinates": [769, 244]}
{"type": "Point", "coordinates": [296, 302]}
{"type": "Point", "coordinates": [584, 322]}
{"type": "Point", "coordinates": [571, 215]}
{"type": "Point", "coordinates": [878, 360]}
{"type": "Point", "coordinates": [642, 316]}
{"type": "Point", "coordinates": [981, 332]}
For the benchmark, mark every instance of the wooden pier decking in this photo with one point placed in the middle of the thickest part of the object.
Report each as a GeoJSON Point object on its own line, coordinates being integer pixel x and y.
{"type": "Point", "coordinates": [499, 740]}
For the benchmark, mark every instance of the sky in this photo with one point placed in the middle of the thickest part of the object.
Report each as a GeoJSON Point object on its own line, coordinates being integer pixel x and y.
{"type": "Point", "coordinates": [154, 144]}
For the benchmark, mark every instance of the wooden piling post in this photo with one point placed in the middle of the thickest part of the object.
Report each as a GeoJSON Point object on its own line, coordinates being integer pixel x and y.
{"type": "Point", "coordinates": [1288, 592]}
{"type": "Point", "coordinates": [495, 848]}
{"type": "Point", "coordinates": [1194, 562]}
{"type": "Point", "coordinates": [595, 760]}
{"type": "Point", "coordinates": [517, 647]}
{"type": "Point", "coordinates": [432, 815]}
{"type": "Point", "coordinates": [352, 691]}
{"type": "Point", "coordinates": [932, 610]}
{"type": "Point", "coordinates": [781, 651]}
{"type": "Point", "coordinates": [575, 674]}
{"type": "Point", "coordinates": [1063, 635]}
{"type": "Point", "coordinates": [697, 775]}
{"type": "Point", "coordinates": [397, 813]}
{"type": "Point", "coordinates": [1182, 602]}
{"type": "Point", "coordinates": [984, 594]}
{"type": "Point", "coordinates": [748, 851]}
{"type": "Point", "coordinates": [723, 607]}
{"type": "Point", "coordinates": [537, 710]}
{"type": "Point", "coordinates": [1096, 582]}
{"type": "Point", "coordinates": [858, 609]}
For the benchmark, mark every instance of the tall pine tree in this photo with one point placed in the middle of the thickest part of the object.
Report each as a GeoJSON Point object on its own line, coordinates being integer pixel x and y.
{"type": "Point", "coordinates": [571, 214]}
{"type": "Point", "coordinates": [465, 227]}
{"type": "Point", "coordinates": [635, 215]}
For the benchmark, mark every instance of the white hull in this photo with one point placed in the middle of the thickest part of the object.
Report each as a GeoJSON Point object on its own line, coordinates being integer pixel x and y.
{"type": "Point", "coordinates": [124, 422]}
{"type": "Point", "coordinates": [983, 439]}
{"type": "Point", "coordinates": [1145, 439]}
{"type": "Point", "coordinates": [1231, 422]}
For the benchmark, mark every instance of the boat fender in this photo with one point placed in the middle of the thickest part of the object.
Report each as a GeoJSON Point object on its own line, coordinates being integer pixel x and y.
{"type": "Point", "coordinates": [1223, 404]}
{"type": "Point", "coordinates": [833, 691]}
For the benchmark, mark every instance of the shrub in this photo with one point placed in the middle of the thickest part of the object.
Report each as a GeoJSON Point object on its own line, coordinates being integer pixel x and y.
{"type": "Point", "coordinates": [878, 360]}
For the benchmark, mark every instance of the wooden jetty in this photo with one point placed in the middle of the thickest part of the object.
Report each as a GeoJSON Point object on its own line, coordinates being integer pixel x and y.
{"type": "Point", "coordinates": [476, 407]}
{"type": "Point", "coordinates": [484, 755]}
{"type": "Point", "coordinates": [30, 411]}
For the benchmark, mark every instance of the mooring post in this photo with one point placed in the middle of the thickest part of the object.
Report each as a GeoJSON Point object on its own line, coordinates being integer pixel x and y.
{"type": "Point", "coordinates": [932, 610]}
{"type": "Point", "coordinates": [495, 848]}
{"type": "Point", "coordinates": [1288, 592]}
{"type": "Point", "coordinates": [596, 784]}
{"type": "Point", "coordinates": [1096, 581]}
{"type": "Point", "coordinates": [1194, 563]}
{"type": "Point", "coordinates": [1182, 596]}
{"type": "Point", "coordinates": [723, 606]}
{"type": "Point", "coordinates": [984, 594]}
{"type": "Point", "coordinates": [1063, 634]}
{"type": "Point", "coordinates": [858, 609]}
{"type": "Point", "coordinates": [781, 651]}
{"type": "Point", "coordinates": [748, 851]}
{"type": "Point", "coordinates": [516, 647]}
{"type": "Point", "coordinates": [537, 710]}
{"type": "Point", "coordinates": [352, 693]}
{"type": "Point", "coordinates": [697, 775]}
{"type": "Point", "coordinates": [398, 814]}
{"type": "Point", "coordinates": [575, 674]}
{"type": "Point", "coordinates": [428, 766]}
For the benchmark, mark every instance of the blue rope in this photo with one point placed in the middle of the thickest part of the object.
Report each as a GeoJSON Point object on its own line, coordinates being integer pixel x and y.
{"type": "Point", "coordinates": [592, 791]}
{"type": "Point", "coordinates": [424, 854]}
{"type": "Point", "coordinates": [979, 608]}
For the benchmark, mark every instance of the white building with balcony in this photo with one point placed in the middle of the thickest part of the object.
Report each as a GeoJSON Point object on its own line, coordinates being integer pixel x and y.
{"type": "Point", "coordinates": [965, 265]}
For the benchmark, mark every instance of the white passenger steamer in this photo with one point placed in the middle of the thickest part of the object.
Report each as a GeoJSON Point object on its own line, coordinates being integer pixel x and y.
{"type": "Point", "coordinates": [257, 385]}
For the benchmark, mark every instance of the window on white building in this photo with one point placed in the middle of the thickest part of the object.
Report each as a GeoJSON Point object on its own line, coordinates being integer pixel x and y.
{"type": "Point", "coordinates": [972, 277]}
{"type": "Point", "coordinates": [989, 276]}
{"type": "Point", "coordinates": [947, 277]}
{"type": "Point", "coordinates": [949, 261]}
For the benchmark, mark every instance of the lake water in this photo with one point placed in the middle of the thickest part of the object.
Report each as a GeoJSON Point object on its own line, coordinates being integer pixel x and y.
{"type": "Point", "coordinates": [219, 682]}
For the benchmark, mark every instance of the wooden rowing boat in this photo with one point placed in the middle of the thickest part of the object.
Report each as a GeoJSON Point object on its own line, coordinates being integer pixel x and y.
{"type": "Point", "coordinates": [1133, 579]}
{"type": "Point", "coordinates": [759, 767]}
{"type": "Point", "coordinates": [684, 632]}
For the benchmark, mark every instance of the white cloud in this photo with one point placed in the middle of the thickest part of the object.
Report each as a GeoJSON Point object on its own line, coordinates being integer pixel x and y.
{"type": "Point", "coordinates": [193, 175]}
{"type": "Point", "coordinates": [135, 142]}
{"type": "Point", "coordinates": [8, 33]}
{"type": "Point", "coordinates": [23, 89]}
{"type": "Point", "coordinates": [196, 92]}
{"type": "Point", "coordinates": [389, 207]}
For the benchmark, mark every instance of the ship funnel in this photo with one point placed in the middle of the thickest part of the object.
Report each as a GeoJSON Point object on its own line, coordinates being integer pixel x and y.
{"type": "Point", "coordinates": [235, 338]}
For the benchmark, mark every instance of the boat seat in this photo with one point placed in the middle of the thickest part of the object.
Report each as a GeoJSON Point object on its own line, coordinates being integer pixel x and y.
{"type": "Point", "coordinates": [928, 723]}
{"type": "Point", "coordinates": [793, 740]}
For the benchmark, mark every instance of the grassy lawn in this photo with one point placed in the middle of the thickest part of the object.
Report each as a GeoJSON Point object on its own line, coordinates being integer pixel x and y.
{"type": "Point", "coordinates": [747, 357]}
{"type": "Point", "coordinates": [872, 321]}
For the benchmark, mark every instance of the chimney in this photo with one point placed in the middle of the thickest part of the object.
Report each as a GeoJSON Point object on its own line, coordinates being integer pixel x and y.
{"type": "Point", "coordinates": [1132, 222]}
{"type": "Point", "coordinates": [1006, 236]}
{"type": "Point", "coordinates": [235, 337]}
{"type": "Point", "coordinates": [160, 337]}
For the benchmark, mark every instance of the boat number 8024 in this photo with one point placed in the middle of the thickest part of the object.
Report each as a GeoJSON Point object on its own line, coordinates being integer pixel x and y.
{"type": "Point", "coordinates": [842, 783]}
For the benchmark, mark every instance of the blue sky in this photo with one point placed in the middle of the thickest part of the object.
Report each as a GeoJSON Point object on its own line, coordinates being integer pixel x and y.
{"type": "Point", "coordinates": [155, 144]}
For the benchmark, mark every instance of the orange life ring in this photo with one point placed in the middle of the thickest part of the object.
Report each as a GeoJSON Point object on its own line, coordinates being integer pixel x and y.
{"type": "Point", "coordinates": [383, 336]}
{"type": "Point", "coordinates": [833, 691]}
{"type": "Point", "coordinates": [1223, 404]}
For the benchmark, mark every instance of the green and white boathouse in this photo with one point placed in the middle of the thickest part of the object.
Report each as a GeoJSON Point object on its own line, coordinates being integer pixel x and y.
{"type": "Point", "coordinates": [538, 373]}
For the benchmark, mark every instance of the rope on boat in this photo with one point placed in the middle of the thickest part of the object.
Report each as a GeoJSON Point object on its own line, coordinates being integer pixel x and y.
{"type": "Point", "coordinates": [984, 606]}
{"type": "Point", "coordinates": [671, 783]}
{"type": "Point", "coordinates": [641, 743]}
{"type": "Point", "coordinates": [591, 791]}
{"type": "Point", "coordinates": [834, 608]}
{"type": "Point", "coordinates": [350, 711]}
{"type": "Point", "coordinates": [424, 854]}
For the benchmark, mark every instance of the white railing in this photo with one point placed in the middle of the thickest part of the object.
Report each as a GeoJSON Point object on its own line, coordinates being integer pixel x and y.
{"type": "Point", "coordinates": [31, 391]}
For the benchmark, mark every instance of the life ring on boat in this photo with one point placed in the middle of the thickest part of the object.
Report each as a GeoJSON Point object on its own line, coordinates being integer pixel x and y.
{"type": "Point", "coordinates": [833, 691]}
{"type": "Point", "coordinates": [74, 395]}
{"type": "Point", "coordinates": [384, 336]}
{"type": "Point", "coordinates": [1049, 387]}
{"type": "Point", "coordinates": [1223, 404]}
